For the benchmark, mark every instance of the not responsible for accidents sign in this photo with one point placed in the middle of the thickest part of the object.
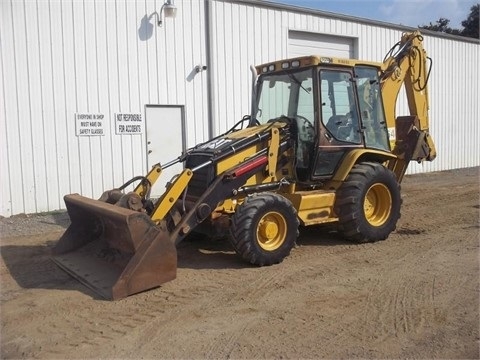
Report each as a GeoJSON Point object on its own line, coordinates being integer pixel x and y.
{"type": "Point", "coordinates": [128, 124]}
{"type": "Point", "coordinates": [89, 124]}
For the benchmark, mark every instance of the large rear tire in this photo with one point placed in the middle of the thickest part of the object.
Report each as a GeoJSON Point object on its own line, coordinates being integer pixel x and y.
{"type": "Point", "coordinates": [368, 203]}
{"type": "Point", "coordinates": [264, 229]}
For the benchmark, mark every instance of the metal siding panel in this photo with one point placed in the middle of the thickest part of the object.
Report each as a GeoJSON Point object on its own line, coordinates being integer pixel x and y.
{"type": "Point", "coordinates": [76, 57]}
{"type": "Point", "coordinates": [243, 35]}
{"type": "Point", "coordinates": [454, 108]}
{"type": "Point", "coordinates": [5, 191]}
{"type": "Point", "coordinates": [265, 40]}
{"type": "Point", "coordinates": [82, 54]}
{"type": "Point", "coordinates": [92, 153]}
{"type": "Point", "coordinates": [103, 180]}
{"type": "Point", "coordinates": [8, 198]}
{"type": "Point", "coordinates": [249, 57]}
{"type": "Point", "coordinates": [152, 57]}
{"type": "Point", "coordinates": [228, 94]}
{"type": "Point", "coordinates": [58, 172]}
{"type": "Point", "coordinates": [469, 105]}
{"type": "Point", "coordinates": [244, 62]}
{"type": "Point", "coordinates": [199, 110]}
{"type": "Point", "coordinates": [107, 93]}
{"type": "Point", "coordinates": [121, 53]}
{"type": "Point", "coordinates": [257, 33]}
{"type": "Point", "coordinates": [112, 78]}
{"type": "Point", "coordinates": [145, 32]}
{"type": "Point", "coordinates": [124, 96]}
{"type": "Point", "coordinates": [169, 65]}
{"type": "Point", "coordinates": [22, 142]}
{"type": "Point", "coordinates": [218, 49]}
{"type": "Point", "coordinates": [235, 92]}
{"type": "Point", "coordinates": [271, 31]}
{"type": "Point", "coordinates": [69, 95]}
{"type": "Point", "coordinates": [48, 180]}
{"type": "Point", "coordinates": [161, 65]}
{"type": "Point", "coordinates": [38, 96]}
{"type": "Point", "coordinates": [226, 80]}
{"type": "Point", "coordinates": [137, 142]}
{"type": "Point", "coordinates": [195, 99]}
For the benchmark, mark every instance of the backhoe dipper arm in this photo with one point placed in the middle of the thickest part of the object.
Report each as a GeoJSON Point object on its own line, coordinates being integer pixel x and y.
{"type": "Point", "coordinates": [406, 63]}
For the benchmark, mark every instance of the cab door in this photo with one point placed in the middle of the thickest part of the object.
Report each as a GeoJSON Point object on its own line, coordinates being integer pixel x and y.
{"type": "Point", "coordinates": [340, 129]}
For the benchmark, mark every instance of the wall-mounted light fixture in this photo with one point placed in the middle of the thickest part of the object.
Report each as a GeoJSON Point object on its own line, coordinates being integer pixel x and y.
{"type": "Point", "coordinates": [169, 9]}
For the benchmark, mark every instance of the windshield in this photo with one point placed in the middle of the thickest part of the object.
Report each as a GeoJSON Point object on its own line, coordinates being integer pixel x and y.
{"type": "Point", "coordinates": [285, 94]}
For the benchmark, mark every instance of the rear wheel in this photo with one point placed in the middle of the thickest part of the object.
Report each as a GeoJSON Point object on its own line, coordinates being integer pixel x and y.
{"type": "Point", "coordinates": [368, 203]}
{"type": "Point", "coordinates": [264, 229]}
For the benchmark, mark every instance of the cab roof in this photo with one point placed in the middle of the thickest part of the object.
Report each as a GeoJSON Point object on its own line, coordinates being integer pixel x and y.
{"type": "Point", "coordinates": [313, 60]}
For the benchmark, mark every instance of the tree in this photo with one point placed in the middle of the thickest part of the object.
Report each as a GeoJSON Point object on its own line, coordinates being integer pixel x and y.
{"type": "Point", "coordinates": [470, 25]}
{"type": "Point", "coordinates": [441, 26]}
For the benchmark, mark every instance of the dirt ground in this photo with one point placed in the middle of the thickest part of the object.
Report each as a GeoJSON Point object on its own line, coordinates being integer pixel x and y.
{"type": "Point", "coordinates": [415, 295]}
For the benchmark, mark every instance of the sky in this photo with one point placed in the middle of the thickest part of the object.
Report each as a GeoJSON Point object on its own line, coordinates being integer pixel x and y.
{"type": "Point", "coordinates": [406, 12]}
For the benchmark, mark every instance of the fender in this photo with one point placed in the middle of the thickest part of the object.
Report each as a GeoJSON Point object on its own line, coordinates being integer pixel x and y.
{"type": "Point", "coordinates": [357, 155]}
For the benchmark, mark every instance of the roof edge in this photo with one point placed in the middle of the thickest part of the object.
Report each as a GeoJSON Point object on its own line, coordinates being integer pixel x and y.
{"type": "Point", "coordinates": [310, 11]}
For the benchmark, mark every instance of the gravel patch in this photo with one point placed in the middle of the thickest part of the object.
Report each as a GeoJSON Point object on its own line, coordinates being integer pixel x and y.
{"type": "Point", "coordinates": [33, 224]}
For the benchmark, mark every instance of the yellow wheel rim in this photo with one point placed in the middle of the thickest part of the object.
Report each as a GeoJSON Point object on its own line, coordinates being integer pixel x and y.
{"type": "Point", "coordinates": [377, 205]}
{"type": "Point", "coordinates": [271, 231]}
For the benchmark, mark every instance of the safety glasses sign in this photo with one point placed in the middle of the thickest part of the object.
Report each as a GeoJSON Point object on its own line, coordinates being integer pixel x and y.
{"type": "Point", "coordinates": [128, 124]}
{"type": "Point", "coordinates": [89, 124]}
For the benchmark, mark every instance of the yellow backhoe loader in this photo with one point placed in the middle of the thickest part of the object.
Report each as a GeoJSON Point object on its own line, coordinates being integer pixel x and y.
{"type": "Point", "coordinates": [321, 146]}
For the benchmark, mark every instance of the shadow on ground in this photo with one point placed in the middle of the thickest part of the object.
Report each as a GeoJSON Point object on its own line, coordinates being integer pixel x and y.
{"type": "Point", "coordinates": [31, 266]}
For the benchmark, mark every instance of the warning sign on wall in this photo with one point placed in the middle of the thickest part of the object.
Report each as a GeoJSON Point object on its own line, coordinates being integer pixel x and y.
{"type": "Point", "coordinates": [128, 124]}
{"type": "Point", "coordinates": [89, 124]}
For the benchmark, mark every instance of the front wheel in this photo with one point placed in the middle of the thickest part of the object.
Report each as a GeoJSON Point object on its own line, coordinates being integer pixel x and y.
{"type": "Point", "coordinates": [368, 203]}
{"type": "Point", "coordinates": [264, 229]}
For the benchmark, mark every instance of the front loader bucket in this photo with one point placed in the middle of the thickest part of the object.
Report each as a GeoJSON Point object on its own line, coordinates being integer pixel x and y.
{"type": "Point", "coordinates": [115, 251]}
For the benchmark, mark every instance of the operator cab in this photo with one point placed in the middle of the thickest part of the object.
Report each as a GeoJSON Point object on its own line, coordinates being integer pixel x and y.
{"type": "Point", "coordinates": [332, 109]}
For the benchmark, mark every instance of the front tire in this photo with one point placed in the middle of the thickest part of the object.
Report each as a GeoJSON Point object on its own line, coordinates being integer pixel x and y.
{"type": "Point", "coordinates": [264, 229]}
{"type": "Point", "coordinates": [368, 203]}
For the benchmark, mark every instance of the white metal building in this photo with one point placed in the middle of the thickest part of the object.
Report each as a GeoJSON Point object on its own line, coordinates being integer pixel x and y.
{"type": "Point", "coordinates": [94, 92]}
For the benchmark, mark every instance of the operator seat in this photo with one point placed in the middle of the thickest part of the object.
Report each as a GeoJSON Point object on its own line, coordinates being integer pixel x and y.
{"type": "Point", "coordinates": [343, 127]}
{"type": "Point", "coordinates": [335, 122]}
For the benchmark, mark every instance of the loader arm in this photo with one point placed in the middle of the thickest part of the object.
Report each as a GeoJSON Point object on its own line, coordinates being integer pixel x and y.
{"type": "Point", "coordinates": [143, 189]}
{"type": "Point", "coordinates": [225, 185]}
{"type": "Point", "coordinates": [179, 186]}
{"type": "Point", "coordinates": [407, 64]}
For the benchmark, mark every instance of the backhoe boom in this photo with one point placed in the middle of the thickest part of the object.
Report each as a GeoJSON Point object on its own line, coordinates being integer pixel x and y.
{"type": "Point", "coordinates": [408, 64]}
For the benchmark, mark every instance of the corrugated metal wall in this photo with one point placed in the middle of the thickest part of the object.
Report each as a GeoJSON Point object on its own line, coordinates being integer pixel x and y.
{"type": "Point", "coordinates": [59, 58]}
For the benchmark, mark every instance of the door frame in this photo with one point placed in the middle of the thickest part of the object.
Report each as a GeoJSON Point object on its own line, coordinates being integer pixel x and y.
{"type": "Point", "coordinates": [183, 125]}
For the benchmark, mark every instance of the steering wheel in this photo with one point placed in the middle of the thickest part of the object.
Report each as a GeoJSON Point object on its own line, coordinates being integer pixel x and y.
{"type": "Point", "coordinates": [307, 122]}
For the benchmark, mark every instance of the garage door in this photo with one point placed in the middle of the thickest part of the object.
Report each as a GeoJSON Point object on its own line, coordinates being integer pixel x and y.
{"type": "Point", "coordinates": [304, 43]}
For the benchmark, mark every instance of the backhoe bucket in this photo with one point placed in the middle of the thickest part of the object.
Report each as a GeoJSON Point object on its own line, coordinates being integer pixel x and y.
{"type": "Point", "coordinates": [115, 251]}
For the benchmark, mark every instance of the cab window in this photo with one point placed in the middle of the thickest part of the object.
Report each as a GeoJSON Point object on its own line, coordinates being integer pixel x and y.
{"type": "Point", "coordinates": [339, 114]}
{"type": "Point", "coordinates": [371, 108]}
